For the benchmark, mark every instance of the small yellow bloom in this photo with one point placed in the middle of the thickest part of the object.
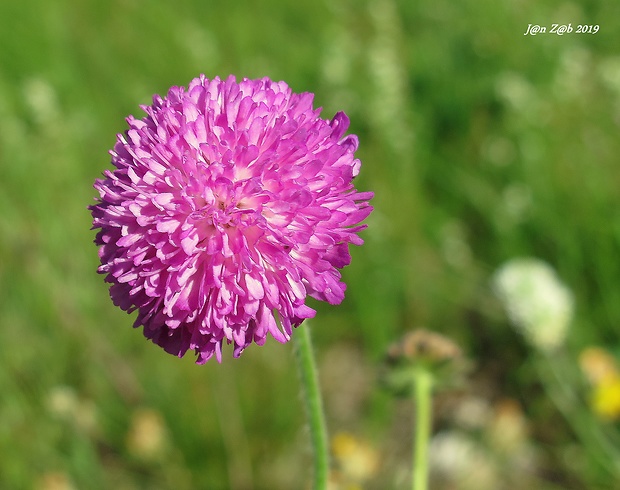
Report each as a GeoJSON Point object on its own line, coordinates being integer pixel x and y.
{"type": "Point", "coordinates": [601, 370]}
{"type": "Point", "coordinates": [147, 437]}
{"type": "Point", "coordinates": [54, 480]}
{"type": "Point", "coordinates": [356, 459]}
{"type": "Point", "coordinates": [606, 398]}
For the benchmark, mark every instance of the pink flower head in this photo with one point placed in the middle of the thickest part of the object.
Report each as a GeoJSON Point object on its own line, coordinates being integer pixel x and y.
{"type": "Point", "coordinates": [229, 205]}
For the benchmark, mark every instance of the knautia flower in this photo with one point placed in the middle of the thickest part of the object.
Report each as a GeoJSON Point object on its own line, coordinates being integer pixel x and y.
{"type": "Point", "coordinates": [230, 204]}
{"type": "Point", "coordinates": [537, 302]}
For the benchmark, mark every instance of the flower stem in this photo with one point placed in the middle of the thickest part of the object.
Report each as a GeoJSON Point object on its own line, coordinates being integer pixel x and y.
{"type": "Point", "coordinates": [600, 443]}
{"type": "Point", "coordinates": [422, 393]}
{"type": "Point", "coordinates": [314, 405]}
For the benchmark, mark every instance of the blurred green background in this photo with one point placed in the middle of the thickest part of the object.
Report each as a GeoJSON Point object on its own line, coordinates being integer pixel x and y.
{"type": "Point", "coordinates": [481, 144]}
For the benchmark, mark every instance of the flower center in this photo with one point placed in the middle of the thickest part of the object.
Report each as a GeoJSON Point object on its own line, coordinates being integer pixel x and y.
{"type": "Point", "coordinates": [224, 204]}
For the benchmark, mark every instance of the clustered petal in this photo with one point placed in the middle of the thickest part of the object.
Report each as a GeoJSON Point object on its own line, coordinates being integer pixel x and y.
{"type": "Point", "coordinates": [230, 203]}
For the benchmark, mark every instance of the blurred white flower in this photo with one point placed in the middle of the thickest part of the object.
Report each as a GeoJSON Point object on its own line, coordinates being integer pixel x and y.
{"type": "Point", "coordinates": [460, 460]}
{"type": "Point", "coordinates": [537, 302]}
{"type": "Point", "coordinates": [472, 412]}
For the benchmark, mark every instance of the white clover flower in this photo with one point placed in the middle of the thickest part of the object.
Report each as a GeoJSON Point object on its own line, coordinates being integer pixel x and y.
{"type": "Point", "coordinates": [537, 302]}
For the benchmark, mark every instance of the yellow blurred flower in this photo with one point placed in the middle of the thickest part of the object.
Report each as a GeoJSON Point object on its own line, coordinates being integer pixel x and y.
{"type": "Point", "coordinates": [356, 460]}
{"type": "Point", "coordinates": [54, 480]}
{"type": "Point", "coordinates": [606, 398]}
{"type": "Point", "coordinates": [601, 370]}
{"type": "Point", "coordinates": [147, 438]}
{"type": "Point", "coordinates": [507, 429]}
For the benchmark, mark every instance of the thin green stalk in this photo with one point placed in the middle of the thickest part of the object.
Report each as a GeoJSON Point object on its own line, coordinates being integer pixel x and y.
{"type": "Point", "coordinates": [601, 443]}
{"type": "Point", "coordinates": [314, 405]}
{"type": "Point", "coordinates": [422, 393]}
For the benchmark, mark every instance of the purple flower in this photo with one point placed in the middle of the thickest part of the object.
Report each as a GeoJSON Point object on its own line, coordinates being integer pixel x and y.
{"type": "Point", "coordinates": [229, 205]}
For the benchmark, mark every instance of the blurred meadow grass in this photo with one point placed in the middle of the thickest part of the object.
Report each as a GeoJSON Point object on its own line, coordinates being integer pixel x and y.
{"type": "Point", "coordinates": [481, 145]}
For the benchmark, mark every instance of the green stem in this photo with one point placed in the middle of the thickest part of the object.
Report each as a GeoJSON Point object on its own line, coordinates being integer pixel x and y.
{"type": "Point", "coordinates": [601, 443]}
{"type": "Point", "coordinates": [314, 405]}
{"type": "Point", "coordinates": [423, 388]}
